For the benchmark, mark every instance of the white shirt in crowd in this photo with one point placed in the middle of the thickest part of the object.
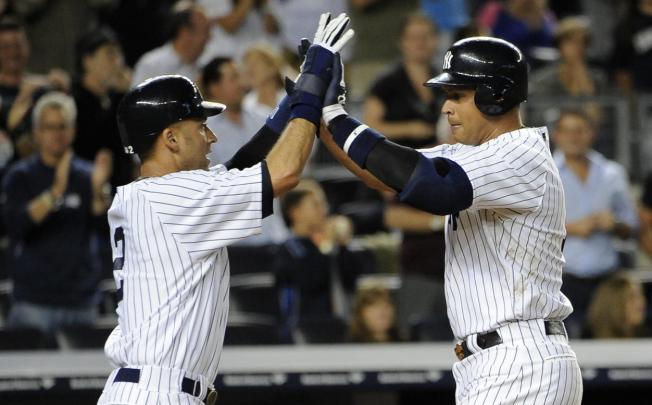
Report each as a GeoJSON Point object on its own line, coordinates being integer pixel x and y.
{"type": "Point", "coordinates": [163, 61]}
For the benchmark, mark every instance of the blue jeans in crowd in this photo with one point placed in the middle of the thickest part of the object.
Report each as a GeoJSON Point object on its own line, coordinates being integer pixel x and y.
{"type": "Point", "coordinates": [47, 318]}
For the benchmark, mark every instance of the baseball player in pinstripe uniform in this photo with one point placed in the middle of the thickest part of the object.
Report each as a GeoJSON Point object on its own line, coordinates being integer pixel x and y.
{"type": "Point", "coordinates": [505, 231]}
{"type": "Point", "coordinates": [170, 228]}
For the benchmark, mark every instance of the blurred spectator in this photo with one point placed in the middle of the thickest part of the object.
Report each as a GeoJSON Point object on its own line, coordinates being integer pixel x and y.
{"type": "Point", "coordinates": [421, 295]}
{"type": "Point", "coordinates": [632, 58]}
{"type": "Point", "coordinates": [51, 199]}
{"type": "Point", "coordinates": [645, 216]}
{"type": "Point", "coordinates": [53, 27]}
{"type": "Point", "coordinates": [528, 24]}
{"type": "Point", "coordinates": [405, 111]}
{"type": "Point", "coordinates": [374, 48]}
{"type": "Point", "coordinates": [618, 309]}
{"type": "Point", "coordinates": [604, 15]}
{"type": "Point", "coordinates": [236, 25]}
{"type": "Point", "coordinates": [607, 213]}
{"type": "Point", "coordinates": [398, 105]}
{"type": "Point", "coordinates": [19, 89]}
{"type": "Point", "coordinates": [374, 316]}
{"type": "Point", "coordinates": [263, 71]}
{"type": "Point", "coordinates": [101, 84]}
{"type": "Point", "coordinates": [220, 82]}
{"type": "Point", "coordinates": [315, 269]}
{"type": "Point", "coordinates": [571, 76]}
{"type": "Point", "coordinates": [190, 31]}
{"type": "Point", "coordinates": [103, 80]}
{"type": "Point", "coordinates": [296, 20]}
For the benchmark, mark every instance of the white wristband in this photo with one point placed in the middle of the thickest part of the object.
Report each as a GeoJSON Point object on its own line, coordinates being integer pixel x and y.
{"type": "Point", "coordinates": [330, 112]}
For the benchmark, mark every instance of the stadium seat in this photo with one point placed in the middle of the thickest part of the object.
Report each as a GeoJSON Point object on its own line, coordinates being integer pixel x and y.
{"type": "Point", "coordinates": [5, 300]}
{"type": "Point", "coordinates": [250, 259]}
{"type": "Point", "coordinates": [83, 337]}
{"type": "Point", "coordinates": [320, 330]}
{"type": "Point", "coordinates": [254, 293]}
{"type": "Point", "coordinates": [26, 339]}
{"type": "Point", "coordinates": [251, 329]}
{"type": "Point", "coordinates": [431, 329]}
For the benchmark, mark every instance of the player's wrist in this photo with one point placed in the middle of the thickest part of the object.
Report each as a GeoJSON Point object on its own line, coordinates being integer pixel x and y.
{"type": "Point", "coordinates": [356, 139]}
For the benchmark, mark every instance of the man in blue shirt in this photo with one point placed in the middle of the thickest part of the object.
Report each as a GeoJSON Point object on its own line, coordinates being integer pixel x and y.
{"type": "Point", "coordinates": [51, 200]}
{"type": "Point", "coordinates": [599, 209]}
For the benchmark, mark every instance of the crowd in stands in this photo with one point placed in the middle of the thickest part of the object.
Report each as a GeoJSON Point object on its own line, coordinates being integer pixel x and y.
{"type": "Point", "coordinates": [337, 262]}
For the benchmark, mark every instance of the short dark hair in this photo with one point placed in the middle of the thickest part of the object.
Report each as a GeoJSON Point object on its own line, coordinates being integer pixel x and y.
{"type": "Point", "coordinates": [180, 17]}
{"type": "Point", "coordinates": [211, 73]}
{"type": "Point", "coordinates": [291, 200]}
{"type": "Point", "coordinates": [90, 42]}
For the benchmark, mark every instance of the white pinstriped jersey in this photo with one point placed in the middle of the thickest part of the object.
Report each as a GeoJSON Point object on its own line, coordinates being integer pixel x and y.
{"type": "Point", "coordinates": [504, 253]}
{"type": "Point", "coordinates": [170, 236]}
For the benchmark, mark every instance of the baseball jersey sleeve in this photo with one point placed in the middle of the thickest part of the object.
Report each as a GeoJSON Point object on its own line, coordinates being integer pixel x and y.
{"type": "Point", "coordinates": [207, 210]}
{"type": "Point", "coordinates": [501, 178]}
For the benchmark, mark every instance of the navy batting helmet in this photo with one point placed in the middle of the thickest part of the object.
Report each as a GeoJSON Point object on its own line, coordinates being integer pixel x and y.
{"type": "Point", "coordinates": [494, 67]}
{"type": "Point", "coordinates": [150, 107]}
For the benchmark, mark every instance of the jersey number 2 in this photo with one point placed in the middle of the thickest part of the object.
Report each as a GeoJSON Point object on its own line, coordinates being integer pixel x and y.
{"type": "Point", "coordinates": [119, 237]}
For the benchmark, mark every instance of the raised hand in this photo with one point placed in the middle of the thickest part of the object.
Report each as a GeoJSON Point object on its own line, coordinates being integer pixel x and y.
{"type": "Point", "coordinates": [61, 173]}
{"type": "Point", "coordinates": [307, 97]}
{"type": "Point", "coordinates": [102, 170]}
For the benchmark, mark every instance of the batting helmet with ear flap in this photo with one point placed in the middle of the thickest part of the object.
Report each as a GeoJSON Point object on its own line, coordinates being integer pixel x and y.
{"type": "Point", "coordinates": [150, 107]}
{"type": "Point", "coordinates": [495, 68]}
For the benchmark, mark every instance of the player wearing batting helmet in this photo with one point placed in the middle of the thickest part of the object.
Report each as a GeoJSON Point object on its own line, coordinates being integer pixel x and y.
{"type": "Point", "coordinates": [503, 198]}
{"type": "Point", "coordinates": [170, 228]}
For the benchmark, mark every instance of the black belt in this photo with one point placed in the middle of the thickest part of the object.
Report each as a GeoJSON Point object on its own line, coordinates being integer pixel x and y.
{"type": "Point", "coordinates": [490, 339]}
{"type": "Point", "coordinates": [189, 386]}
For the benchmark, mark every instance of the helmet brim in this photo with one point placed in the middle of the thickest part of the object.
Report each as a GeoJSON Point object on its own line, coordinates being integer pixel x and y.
{"type": "Point", "coordinates": [450, 79]}
{"type": "Point", "coordinates": [210, 108]}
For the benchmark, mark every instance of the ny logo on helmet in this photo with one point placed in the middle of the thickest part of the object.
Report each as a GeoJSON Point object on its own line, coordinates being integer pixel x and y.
{"type": "Point", "coordinates": [447, 60]}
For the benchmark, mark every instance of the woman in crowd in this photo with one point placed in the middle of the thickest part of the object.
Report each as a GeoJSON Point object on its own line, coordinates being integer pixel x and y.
{"type": "Point", "coordinates": [374, 316]}
{"type": "Point", "coordinates": [618, 309]}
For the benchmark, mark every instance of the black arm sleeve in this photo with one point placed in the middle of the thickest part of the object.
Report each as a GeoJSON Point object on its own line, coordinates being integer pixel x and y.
{"type": "Point", "coordinates": [393, 164]}
{"type": "Point", "coordinates": [255, 150]}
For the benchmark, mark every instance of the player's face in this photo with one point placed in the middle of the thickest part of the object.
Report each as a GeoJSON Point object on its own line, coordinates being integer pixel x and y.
{"type": "Point", "coordinates": [195, 142]}
{"type": "Point", "coordinates": [573, 135]}
{"type": "Point", "coordinates": [53, 132]}
{"type": "Point", "coordinates": [467, 123]}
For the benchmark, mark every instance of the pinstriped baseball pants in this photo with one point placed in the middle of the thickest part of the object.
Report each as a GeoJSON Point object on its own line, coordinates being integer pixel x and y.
{"type": "Point", "coordinates": [157, 386]}
{"type": "Point", "coordinates": [529, 367]}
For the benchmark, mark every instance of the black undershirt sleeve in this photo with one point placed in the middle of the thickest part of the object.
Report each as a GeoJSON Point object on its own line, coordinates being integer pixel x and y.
{"type": "Point", "coordinates": [392, 164]}
{"type": "Point", "coordinates": [255, 150]}
{"type": "Point", "coordinates": [268, 191]}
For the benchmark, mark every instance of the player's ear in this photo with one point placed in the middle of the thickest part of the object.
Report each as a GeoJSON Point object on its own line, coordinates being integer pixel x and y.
{"type": "Point", "coordinates": [170, 140]}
